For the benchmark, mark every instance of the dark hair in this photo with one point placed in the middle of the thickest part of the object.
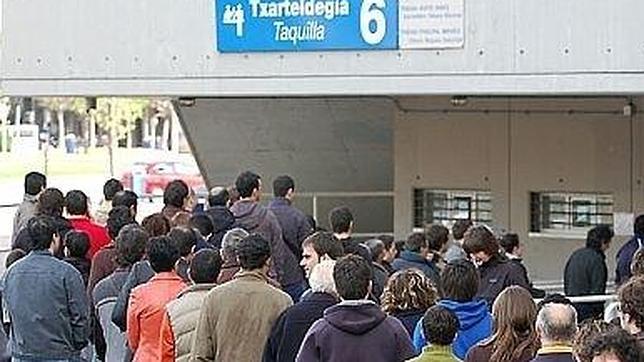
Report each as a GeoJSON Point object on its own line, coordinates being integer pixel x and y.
{"type": "Point", "coordinates": [324, 243]}
{"type": "Point", "coordinates": [156, 224]}
{"type": "Point", "coordinates": [618, 342]}
{"type": "Point", "coordinates": [638, 225]}
{"type": "Point", "coordinates": [205, 266]}
{"type": "Point", "coordinates": [388, 240]}
{"type": "Point", "coordinates": [376, 247]}
{"type": "Point", "coordinates": [340, 219]}
{"type": "Point", "coordinates": [400, 246]}
{"type": "Point", "coordinates": [34, 183]}
{"type": "Point", "coordinates": [637, 264]}
{"type": "Point", "coordinates": [175, 193]}
{"type": "Point", "coordinates": [13, 256]}
{"type": "Point", "coordinates": [111, 187]}
{"type": "Point", "coordinates": [125, 198]}
{"type": "Point", "coordinates": [352, 275]}
{"type": "Point", "coordinates": [117, 218]}
{"type": "Point", "coordinates": [440, 326]}
{"type": "Point", "coordinates": [77, 243]}
{"type": "Point", "coordinates": [415, 242]}
{"type": "Point", "coordinates": [437, 236]}
{"type": "Point", "coordinates": [162, 253]}
{"type": "Point", "coordinates": [184, 238]}
{"type": "Point", "coordinates": [589, 330]}
{"type": "Point", "coordinates": [630, 297]}
{"type": "Point", "coordinates": [509, 241]}
{"type": "Point", "coordinates": [460, 227]}
{"type": "Point", "coordinates": [598, 236]}
{"type": "Point", "coordinates": [76, 202]}
{"type": "Point", "coordinates": [253, 252]}
{"type": "Point", "coordinates": [131, 243]}
{"type": "Point", "coordinates": [247, 182]}
{"type": "Point", "coordinates": [219, 196]}
{"type": "Point", "coordinates": [41, 229]}
{"type": "Point", "coordinates": [460, 281]}
{"type": "Point", "coordinates": [51, 202]}
{"type": "Point", "coordinates": [203, 223]}
{"type": "Point", "coordinates": [282, 184]}
{"type": "Point", "coordinates": [480, 238]}
{"type": "Point", "coordinates": [555, 298]}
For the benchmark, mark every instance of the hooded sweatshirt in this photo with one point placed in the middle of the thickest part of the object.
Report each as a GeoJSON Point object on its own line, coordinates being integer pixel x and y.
{"type": "Point", "coordinates": [222, 221]}
{"type": "Point", "coordinates": [475, 325]}
{"type": "Point", "coordinates": [356, 331]}
{"type": "Point", "coordinates": [256, 218]}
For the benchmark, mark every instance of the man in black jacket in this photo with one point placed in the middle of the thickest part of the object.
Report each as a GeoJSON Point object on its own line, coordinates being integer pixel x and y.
{"type": "Point", "coordinates": [295, 225]}
{"type": "Point", "coordinates": [291, 327]}
{"type": "Point", "coordinates": [586, 272]}
{"type": "Point", "coordinates": [496, 271]}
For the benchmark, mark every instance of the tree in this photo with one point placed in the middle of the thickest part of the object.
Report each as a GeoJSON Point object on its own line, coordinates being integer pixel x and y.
{"type": "Point", "coordinates": [117, 116]}
{"type": "Point", "coordinates": [60, 105]}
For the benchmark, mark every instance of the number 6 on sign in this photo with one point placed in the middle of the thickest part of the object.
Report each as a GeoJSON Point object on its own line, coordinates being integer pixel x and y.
{"type": "Point", "coordinates": [372, 11]}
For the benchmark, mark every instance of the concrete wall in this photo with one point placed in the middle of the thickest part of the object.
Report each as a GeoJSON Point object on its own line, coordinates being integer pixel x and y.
{"type": "Point", "coordinates": [511, 47]}
{"type": "Point", "coordinates": [513, 147]}
{"type": "Point", "coordinates": [327, 145]}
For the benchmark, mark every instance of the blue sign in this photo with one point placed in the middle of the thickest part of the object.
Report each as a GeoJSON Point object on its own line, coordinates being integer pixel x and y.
{"type": "Point", "coordinates": [294, 25]}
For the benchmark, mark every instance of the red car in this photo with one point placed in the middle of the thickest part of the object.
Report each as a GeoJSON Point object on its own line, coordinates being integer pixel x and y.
{"type": "Point", "coordinates": [151, 178]}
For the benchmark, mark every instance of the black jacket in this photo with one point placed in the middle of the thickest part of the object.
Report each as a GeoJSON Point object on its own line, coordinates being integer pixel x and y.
{"type": "Point", "coordinates": [535, 292]}
{"type": "Point", "coordinates": [82, 265]}
{"type": "Point", "coordinates": [291, 327]}
{"type": "Point", "coordinates": [586, 274]}
{"type": "Point", "coordinates": [255, 218]}
{"type": "Point", "coordinates": [295, 225]}
{"type": "Point", "coordinates": [222, 221]}
{"type": "Point", "coordinates": [497, 274]}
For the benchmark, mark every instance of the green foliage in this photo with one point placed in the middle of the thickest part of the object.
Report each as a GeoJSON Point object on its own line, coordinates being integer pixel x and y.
{"type": "Point", "coordinates": [118, 115]}
{"type": "Point", "coordinates": [76, 105]}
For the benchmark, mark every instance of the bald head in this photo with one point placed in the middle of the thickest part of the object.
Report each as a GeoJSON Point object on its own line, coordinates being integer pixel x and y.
{"type": "Point", "coordinates": [556, 323]}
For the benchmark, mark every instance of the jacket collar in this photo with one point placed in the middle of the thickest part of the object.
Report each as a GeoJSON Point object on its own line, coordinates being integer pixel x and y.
{"type": "Point", "coordinates": [196, 288]}
{"type": "Point", "coordinates": [557, 348]}
{"type": "Point", "coordinates": [251, 275]}
{"type": "Point", "coordinates": [280, 201]}
{"type": "Point", "coordinates": [356, 303]}
{"type": "Point", "coordinates": [171, 275]}
{"type": "Point", "coordinates": [44, 252]}
{"type": "Point", "coordinates": [380, 267]}
{"type": "Point", "coordinates": [413, 257]}
{"type": "Point", "coordinates": [321, 297]}
{"type": "Point", "coordinates": [436, 350]}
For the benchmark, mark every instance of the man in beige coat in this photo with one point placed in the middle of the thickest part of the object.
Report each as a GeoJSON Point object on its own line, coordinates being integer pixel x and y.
{"type": "Point", "coordinates": [236, 317]}
{"type": "Point", "coordinates": [182, 314]}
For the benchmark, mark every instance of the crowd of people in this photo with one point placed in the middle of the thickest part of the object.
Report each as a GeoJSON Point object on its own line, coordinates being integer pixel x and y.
{"type": "Point", "coordinates": [244, 281]}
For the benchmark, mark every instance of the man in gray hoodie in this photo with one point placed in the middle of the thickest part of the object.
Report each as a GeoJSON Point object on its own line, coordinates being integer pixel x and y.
{"type": "Point", "coordinates": [257, 219]}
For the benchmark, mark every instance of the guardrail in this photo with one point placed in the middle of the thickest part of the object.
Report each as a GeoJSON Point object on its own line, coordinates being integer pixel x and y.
{"type": "Point", "coordinates": [590, 298]}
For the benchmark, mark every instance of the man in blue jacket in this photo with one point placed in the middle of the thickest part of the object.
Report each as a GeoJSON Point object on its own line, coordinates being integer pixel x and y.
{"type": "Point", "coordinates": [626, 252]}
{"type": "Point", "coordinates": [46, 301]}
{"type": "Point", "coordinates": [460, 282]}
{"type": "Point", "coordinates": [415, 256]}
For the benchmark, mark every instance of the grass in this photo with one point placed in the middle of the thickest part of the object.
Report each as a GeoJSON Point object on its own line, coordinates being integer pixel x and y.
{"type": "Point", "coordinates": [95, 162]}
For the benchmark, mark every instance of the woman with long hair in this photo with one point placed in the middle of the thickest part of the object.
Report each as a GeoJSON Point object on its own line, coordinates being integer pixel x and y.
{"type": "Point", "coordinates": [514, 338]}
{"type": "Point", "coordinates": [407, 295]}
